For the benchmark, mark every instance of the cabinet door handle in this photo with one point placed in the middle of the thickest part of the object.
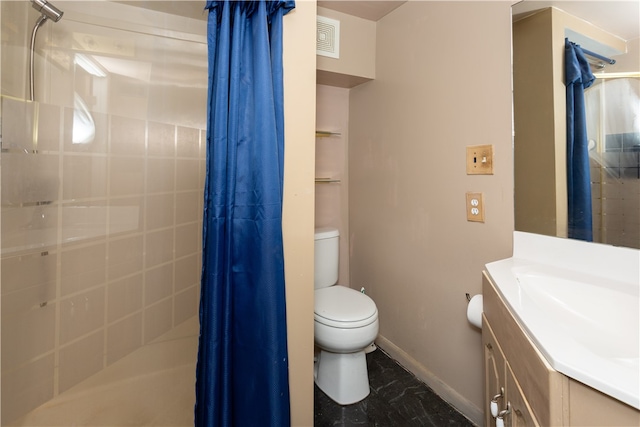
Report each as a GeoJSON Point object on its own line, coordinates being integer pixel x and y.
{"type": "Point", "coordinates": [494, 402]}
{"type": "Point", "coordinates": [502, 414]}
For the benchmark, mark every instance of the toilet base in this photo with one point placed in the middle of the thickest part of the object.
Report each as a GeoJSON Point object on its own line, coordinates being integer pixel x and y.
{"type": "Point", "coordinates": [342, 376]}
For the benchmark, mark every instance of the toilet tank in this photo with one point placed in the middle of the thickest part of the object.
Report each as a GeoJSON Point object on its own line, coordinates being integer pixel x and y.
{"type": "Point", "coordinates": [326, 257]}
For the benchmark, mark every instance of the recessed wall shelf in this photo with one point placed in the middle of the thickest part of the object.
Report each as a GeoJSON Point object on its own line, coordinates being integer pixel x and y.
{"type": "Point", "coordinates": [325, 134]}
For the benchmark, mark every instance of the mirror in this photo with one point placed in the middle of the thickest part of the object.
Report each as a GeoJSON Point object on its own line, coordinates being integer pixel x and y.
{"type": "Point", "coordinates": [608, 28]}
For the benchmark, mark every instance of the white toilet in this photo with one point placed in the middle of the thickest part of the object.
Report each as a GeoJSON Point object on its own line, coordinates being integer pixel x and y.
{"type": "Point", "coordinates": [346, 323]}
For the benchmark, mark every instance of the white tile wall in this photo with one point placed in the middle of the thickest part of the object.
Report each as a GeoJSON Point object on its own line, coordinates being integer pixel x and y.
{"type": "Point", "coordinates": [110, 261]}
{"type": "Point", "coordinates": [90, 232]}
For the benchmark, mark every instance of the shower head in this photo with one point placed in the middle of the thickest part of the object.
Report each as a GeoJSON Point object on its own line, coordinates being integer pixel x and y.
{"type": "Point", "coordinates": [47, 9]}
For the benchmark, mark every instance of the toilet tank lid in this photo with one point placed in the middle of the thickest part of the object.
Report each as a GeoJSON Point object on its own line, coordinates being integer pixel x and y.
{"type": "Point", "coordinates": [326, 233]}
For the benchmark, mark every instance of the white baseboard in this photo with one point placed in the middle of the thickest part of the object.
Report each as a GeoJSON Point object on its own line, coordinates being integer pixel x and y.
{"type": "Point", "coordinates": [464, 406]}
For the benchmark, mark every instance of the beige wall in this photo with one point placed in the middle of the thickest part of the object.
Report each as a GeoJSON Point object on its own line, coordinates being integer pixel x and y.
{"type": "Point", "coordinates": [535, 128]}
{"type": "Point", "coordinates": [300, 79]}
{"type": "Point", "coordinates": [443, 81]}
{"type": "Point", "coordinates": [332, 199]}
{"type": "Point", "coordinates": [356, 63]}
{"type": "Point", "coordinates": [630, 61]}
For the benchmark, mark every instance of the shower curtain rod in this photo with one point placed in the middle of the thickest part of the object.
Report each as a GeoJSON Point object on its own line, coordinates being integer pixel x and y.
{"type": "Point", "coordinates": [598, 56]}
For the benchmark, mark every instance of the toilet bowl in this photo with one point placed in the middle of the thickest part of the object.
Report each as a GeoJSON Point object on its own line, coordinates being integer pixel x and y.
{"type": "Point", "coordinates": [346, 320]}
{"type": "Point", "coordinates": [345, 324]}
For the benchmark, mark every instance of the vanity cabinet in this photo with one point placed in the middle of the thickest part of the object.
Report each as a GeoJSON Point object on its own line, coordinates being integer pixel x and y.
{"type": "Point", "coordinates": [520, 412]}
{"type": "Point", "coordinates": [502, 390]}
{"type": "Point", "coordinates": [527, 388]}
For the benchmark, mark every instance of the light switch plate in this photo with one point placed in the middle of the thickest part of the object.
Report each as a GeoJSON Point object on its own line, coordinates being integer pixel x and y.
{"type": "Point", "coordinates": [480, 160]}
{"type": "Point", "coordinates": [475, 207]}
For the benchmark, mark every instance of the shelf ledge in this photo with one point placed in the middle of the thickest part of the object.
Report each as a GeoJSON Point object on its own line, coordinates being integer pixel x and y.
{"type": "Point", "coordinates": [325, 134]}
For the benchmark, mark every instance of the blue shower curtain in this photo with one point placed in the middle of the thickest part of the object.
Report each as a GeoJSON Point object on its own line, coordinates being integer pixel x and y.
{"type": "Point", "coordinates": [578, 77]}
{"type": "Point", "coordinates": [242, 370]}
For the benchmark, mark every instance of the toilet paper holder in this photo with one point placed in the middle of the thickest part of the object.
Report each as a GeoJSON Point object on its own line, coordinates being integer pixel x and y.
{"type": "Point", "coordinates": [474, 310]}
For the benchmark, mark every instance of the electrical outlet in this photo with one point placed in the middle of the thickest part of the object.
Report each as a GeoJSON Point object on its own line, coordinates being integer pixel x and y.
{"type": "Point", "coordinates": [480, 160]}
{"type": "Point", "coordinates": [475, 207]}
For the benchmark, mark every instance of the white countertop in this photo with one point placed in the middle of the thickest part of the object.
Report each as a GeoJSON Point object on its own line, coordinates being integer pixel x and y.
{"type": "Point", "coordinates": [580, 304]}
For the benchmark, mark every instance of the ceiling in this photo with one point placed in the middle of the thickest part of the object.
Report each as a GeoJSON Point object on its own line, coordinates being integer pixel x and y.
{"type": "Point", "coordinates": [371, 10]}
{"type": "Point", "coordinates": [188, 8]}
{"type": "Point", "coordinates": [621, 18]}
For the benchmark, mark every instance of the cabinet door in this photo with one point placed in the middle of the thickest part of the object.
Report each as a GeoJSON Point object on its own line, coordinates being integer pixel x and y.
{"type": "Point", "coordinates": [494, 368]}
{"type": "Point", "coordinates": [521, 415]}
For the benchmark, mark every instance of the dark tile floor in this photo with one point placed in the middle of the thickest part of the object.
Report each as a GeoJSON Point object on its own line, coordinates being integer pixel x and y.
{"type": "Point", "coordinates": [397, 398]}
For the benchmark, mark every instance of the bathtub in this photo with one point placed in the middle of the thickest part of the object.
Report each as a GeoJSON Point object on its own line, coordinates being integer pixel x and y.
{"type": "Point", "coordinates": [580, 305]}
{"type": "Point", "coordinates": [153, 386]}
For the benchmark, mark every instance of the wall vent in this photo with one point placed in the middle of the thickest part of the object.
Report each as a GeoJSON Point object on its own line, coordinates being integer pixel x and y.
{"type": "Point", "coordinates": [327, 37]}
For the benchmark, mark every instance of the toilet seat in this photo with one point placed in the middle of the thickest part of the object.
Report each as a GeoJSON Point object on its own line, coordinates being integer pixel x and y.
{"type": "Point", "coordinates": [342, 307]}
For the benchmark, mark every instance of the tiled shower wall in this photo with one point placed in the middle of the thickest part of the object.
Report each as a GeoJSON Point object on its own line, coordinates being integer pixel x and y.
{"type": "Point", "coordinates": [614, 132]}
{"type": "Point", "coordinates": [615, 176]}
{"type": "Point", "coordinates": [100, 249]}
{"type": "Point", "coordinates": [101, 242]}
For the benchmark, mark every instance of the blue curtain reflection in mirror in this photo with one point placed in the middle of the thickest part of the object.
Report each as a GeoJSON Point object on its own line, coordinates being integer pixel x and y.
{"type": "Point", "coordinates": [578, 77]}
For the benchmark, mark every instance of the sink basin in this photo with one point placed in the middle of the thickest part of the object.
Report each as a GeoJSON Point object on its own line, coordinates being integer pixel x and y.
{"type": "Point", "coordinates": [580, 309]}
{"type": "Point", "coordinates": [602, 317]}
